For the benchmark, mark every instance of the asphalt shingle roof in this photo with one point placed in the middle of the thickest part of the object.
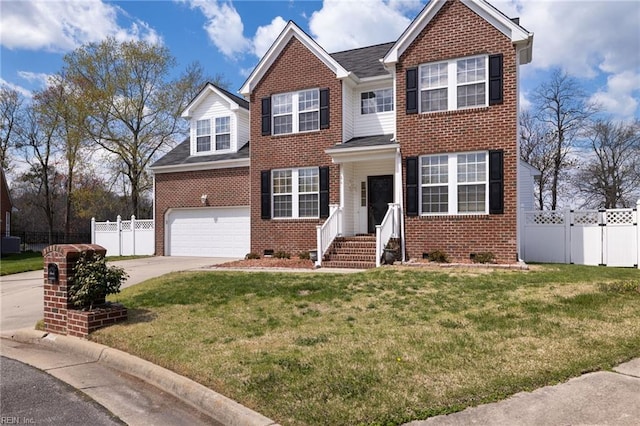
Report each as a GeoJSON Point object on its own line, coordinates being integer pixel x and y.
{"type": "Point", "coordinates": [365, 61]}
{"type": "Point", "coordinates": [180, 155]}
{"type": "Point", "coordinates": [362, 141]}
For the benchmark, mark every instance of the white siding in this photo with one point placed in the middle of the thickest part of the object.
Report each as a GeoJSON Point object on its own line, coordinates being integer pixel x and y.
{"type": "Point", "coordinates": [372, 124]}
{"type": "Point", "coordinates": [347, 111]}
{"type": "Point", "coordinates": [243, 127]}
{"type": "Point", "coordinates": [213, 106]}
{"type": "Point", "coordinates": [355, 215]}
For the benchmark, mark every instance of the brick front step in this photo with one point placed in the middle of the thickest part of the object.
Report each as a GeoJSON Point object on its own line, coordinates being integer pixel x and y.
{"type": "Point", "coordinates": [357, 252]}
{"type": "Point", "coordinates": [348, 265]}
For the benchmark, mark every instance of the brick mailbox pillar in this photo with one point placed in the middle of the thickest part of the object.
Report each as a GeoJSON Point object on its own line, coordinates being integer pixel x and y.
{"type": "Point", "coordinates": [60, 317]}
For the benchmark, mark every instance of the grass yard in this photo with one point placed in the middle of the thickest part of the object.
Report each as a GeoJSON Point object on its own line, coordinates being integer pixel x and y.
{"type": "Point", "coordinates": [20, 262]}
{"type": "Point", "coordinates": [385, 346]}
{"type": "Point", "coordinates": [33, 261]}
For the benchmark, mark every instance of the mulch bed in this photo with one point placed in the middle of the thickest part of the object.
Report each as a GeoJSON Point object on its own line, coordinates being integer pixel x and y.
{"type": "Point", "coordinates": [270, 262]}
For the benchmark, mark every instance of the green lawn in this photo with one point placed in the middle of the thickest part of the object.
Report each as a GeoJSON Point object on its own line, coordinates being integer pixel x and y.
{"type": "Point", "coordinates": [20, 262]}
{"type": "Point", "coordinates": [385, 346]}
{"type": "Point", "coordinates": [32, 261]}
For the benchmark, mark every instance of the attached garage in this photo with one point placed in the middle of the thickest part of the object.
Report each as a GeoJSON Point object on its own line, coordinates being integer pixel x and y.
{"type": "Point", "coordinates": [208, 232]}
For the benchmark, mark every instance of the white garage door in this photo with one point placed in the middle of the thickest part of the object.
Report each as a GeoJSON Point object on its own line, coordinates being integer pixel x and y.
{"type": "Point", "coordinates": [209, 232]}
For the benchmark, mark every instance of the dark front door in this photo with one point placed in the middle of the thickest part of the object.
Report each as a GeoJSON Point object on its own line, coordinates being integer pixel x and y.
{"type": "Point", "coordinates": [380, 195]}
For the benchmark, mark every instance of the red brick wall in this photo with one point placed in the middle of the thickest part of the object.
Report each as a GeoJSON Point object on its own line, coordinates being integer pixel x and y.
{"type": "Point", "coordinates": [5, 203]}
{"type": "Point", "coordinates": [295, 69]}
{"type": "Point", "coordinates": [458, 32]}
{"type": "Point", "coordinates": [224, 187]}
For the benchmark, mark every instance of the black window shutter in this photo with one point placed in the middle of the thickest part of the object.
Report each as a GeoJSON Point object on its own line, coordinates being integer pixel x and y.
{"type": "Point", "coordinates": [324, 108]}
{"type": "Point", "coordinates": [495, 79]}
{"type": "Point", "coordinates": [266, 116]}
{"type": "Point", "coordinates": [412, 186]}
{"type": "Point", "coordinates": [496, 182]}
{"type": "Point", "coordinates": [265, 190]}
{"type": "Point", "coordinates": [412, 90]}
{"type": "Point", "coordinates": [324, 192]}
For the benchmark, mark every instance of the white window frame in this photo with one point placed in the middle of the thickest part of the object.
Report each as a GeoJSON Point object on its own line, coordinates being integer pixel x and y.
{"type": "Point", "coordinates": [202, 135]}
{"type": "Point", "coordinates": [213, 135]}
{"type": "Point", "coordinates": [452, 83]}
{"type": "Point", "coordinates": [295, 110]}
{"type": "Point", "coordinates": [295, 192]}
{"type": "Point", "coordinates": [216, 134]}
{"type": "Point", "coordinates": [378, 108]}
{"type": "Point", "coordinates": [452, 183]}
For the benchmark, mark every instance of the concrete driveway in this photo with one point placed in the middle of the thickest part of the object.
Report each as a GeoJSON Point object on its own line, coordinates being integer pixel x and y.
{"type": "Point", "coordinates": [22, 294]}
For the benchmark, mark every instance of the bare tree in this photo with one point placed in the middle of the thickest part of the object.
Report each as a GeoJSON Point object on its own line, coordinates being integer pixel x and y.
{"type": "Point", "coordinates": [11, 109]}
{"type": "Point", "coordinates": [37, 140]}
{"type": "Point", "coordinates": [609, 177]}
{"type": "Point", "coordinates": [563, 109]}
{"type": "Point", "coordinates": [134, 106]}
{"type": "Point", "coordinates": [537, 149]}
{"type": "Point", "coordinates": [61, 103]}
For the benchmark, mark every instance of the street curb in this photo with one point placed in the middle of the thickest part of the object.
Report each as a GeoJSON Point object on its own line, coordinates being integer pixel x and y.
{"type": "Point", "coordinates": [220, 408]}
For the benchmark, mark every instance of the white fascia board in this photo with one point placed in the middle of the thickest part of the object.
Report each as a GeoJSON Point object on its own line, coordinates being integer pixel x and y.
{"type": "Point", "coordinates": [412, 31]}
{"type": "Point", "coordinates": [206, 91]}
{"type": "Point", "coordinates": [212, 165]}
{"type": "Point", "coordinates": [291, 30]}
{"type": "Point", "coordinates": [363, 153]}
{"type": "Point", "coordinates": [517, 34]}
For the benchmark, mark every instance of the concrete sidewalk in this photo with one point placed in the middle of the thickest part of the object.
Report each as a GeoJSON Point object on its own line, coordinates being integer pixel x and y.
{"type": "Point", "coordinates": [136, 391]}
{"type": "Point", "coordinates": [600, 398]}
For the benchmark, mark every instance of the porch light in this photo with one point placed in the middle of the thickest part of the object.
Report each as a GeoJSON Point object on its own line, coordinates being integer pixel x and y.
{"type": "Point", "coordinates": [203, 198]}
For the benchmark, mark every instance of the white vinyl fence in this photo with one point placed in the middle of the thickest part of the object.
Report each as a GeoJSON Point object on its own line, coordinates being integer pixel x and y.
{"type": "Point", "coordinates": [586, 237]}
{"type": "Point", "coordinates": [124, 237]}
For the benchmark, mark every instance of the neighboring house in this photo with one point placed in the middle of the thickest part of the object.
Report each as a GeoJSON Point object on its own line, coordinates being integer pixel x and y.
{"type": "Point", "coordinates": [6, 205]}
{"type": "Point", "coordinates": [414, 139]}
{"type": "Point", "coordinates": [8, 244]}
{"type": "Point", "coordinates": [202, 186]}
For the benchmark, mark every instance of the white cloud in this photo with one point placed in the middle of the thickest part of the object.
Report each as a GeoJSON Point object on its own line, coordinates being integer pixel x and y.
{"type": "Point", "coordinates": [24, 92]}
{"type": "Point", "coordinates": [224, 26]}
{"type": "Point", "coordinates": [266, 35]}
{"type": "Point", "coordinates": [60, 26]}
{"type": "Point", "coordinates": [618, 96]}
{"type": "Point", "coordinates": [583, 37]}
{"type": "Point", "coordinates": [342, 25]}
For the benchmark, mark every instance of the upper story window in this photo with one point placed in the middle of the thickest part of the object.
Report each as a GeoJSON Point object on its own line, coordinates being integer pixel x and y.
{"type": "Point", "coordinates": [203, 135]}
{"type": "Point", "coordinates": [454, 183]}
{"type": "Point", "coordinates": [375, 101]}
{"type": "Point", "coordinates": [454, 84]}
{"type": "Point", "coordinates": [221, 134]}
{"type": "Point", "coordinates": [296, 193]}
{"type": "Point", "coordinates": [296, 112]}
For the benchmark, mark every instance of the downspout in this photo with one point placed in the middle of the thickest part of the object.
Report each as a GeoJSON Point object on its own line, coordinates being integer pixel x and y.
{"type": "Point", "coordinates": [518, 192]}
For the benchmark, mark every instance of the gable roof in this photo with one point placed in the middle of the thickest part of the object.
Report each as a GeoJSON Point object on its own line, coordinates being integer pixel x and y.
{"type": "Point", "coordinates": [364, 62]}
{"type": "Point", "coordinates": [235, 101]}
{"type": "Point", "coordinates": [290, 30]}
{"type": "Point", "coordinates": [518, 35]}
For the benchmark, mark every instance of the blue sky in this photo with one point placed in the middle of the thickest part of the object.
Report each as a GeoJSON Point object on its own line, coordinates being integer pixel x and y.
{"type": "Point", "coordinates": [597, 42]}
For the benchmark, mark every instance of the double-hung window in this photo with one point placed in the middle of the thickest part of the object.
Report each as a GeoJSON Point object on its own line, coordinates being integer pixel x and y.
{"type": "Point", "coordinates": [375, 101]}
{"type": "Point", "coordinates": [296, 193]}
{"type": "Point", "coordinates": [203, 135]}
{"type": "Point", "coordinates": [296, 112]}
{"type": "Point", "coordinates": [223, 133]}
{"type": "Point", "coordinates": [454, 183]}
{"type": "Point", "coordinates": [454, 84]}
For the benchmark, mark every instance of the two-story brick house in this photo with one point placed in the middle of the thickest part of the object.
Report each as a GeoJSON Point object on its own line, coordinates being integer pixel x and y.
{"type": "Point", "coordinates": [414, 139]}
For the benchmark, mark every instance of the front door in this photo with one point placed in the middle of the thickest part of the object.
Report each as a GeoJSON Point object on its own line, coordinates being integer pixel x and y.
{"type": "Point", "coordinates": [380, 190]}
